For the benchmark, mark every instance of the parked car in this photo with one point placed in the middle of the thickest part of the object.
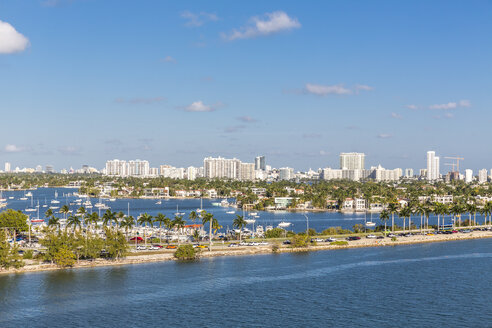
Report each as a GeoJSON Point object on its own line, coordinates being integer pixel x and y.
{"type": "Point", "coordinates": [317, 240]}
{"type": "Point", "coordinates": [171, 247]}
{"type": "Point", "coordinates": [371, 236]}
{"type": "Point", "coordinates": [353, 238]}
{"type": "Point", "coordinates": [287, 242]}
{"type": "Point", "coordinates": [158, 246]}
{"type": "Point", "coordinates": [330, 240]}
{"type": "Point", "coordinates": [233, 245]}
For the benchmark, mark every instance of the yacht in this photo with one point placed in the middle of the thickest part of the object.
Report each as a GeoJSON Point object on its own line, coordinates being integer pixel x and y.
{"type": "Point", "coordinates": [284, 224]}
{"type": "Point", "coordinates": [159, 202]}
{"type": "Point", "coordinates": [253, 214]}
{"type": "Point", "coordinates": [250, 221]}
{"type": "Point", "coordinates": [231, 212]}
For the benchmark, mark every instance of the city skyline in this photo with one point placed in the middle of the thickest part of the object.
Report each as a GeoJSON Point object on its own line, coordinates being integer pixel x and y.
{"type": "Point", "coordinates": [295, 83]}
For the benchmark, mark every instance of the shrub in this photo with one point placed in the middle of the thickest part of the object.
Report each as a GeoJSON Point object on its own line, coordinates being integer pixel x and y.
{"type": "Point", "coordinates": [64, 257]}
{"type": "Point", "coordinates": [300, 241]}
{"type": "Point", "coordinates": [28, 255]}
{"type": "Point", "coordinates": [275, 233]}
{"type": "Point", "coordinates": [393, 239]}
{"type": "Point", "coordinates": [339, 243]}
{"type": "Point", "coordinates": [186, 252]}
{"type": "Point", "coordinates": [275, 248]}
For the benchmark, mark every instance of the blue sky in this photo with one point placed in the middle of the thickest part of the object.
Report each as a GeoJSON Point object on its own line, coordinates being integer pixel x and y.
{"type": "Point", "coordinates": [83, 81]}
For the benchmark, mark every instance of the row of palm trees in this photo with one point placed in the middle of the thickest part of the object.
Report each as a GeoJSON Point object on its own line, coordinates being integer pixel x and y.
{"type": "Point", "coordinates": [118, 220]}
{"type": "Point", "coordinates": [441, 210]}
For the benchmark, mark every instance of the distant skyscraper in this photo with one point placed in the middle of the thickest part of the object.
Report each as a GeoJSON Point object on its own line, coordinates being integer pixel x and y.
{"type": "Point", "coordinates": [285, 173]}
{"type": "Point", "coordinates": [50, 169]}
{"type": "Point", "coordinates": [408, 173]}
{"type": "Point", "coordinates": [352, 161]}
{"type": "Point", "coordinates": [432, 166]}
{"type": "Point", "coordinates": [7, 167]}
{"type": "Point", "coordinates": [482, 176]}
{"type": "Point", "coordinates": [468, 176]}
{"type": "Point", "coordinates": [260, 163]}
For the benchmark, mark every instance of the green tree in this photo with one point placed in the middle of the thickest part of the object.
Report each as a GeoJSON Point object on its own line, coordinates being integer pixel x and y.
{"type": "Point", "coordinates": [212, 221]}
{"type": "Point", "coordinates": [64, 257]}
{"type": "Point", "coordinates": [145, 219]}
{"type": "Point", "coordinates": [239, 222]}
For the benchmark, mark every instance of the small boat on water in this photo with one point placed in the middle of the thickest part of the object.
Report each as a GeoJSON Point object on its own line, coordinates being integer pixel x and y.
{"type": "Point", "coordinates": [23, 198]}
{"type": "Point", "coordinates": [370, 224]}
{"type": "Point", "coordinates": [112, 199]}
{"type": "Point", "coordinates": [37, 220]}
{"type": "Point", "coordinates": [54, 207]}
{"type": "Point", "coordinates": [231, 212]}
{"type": "Point", "coordinates": [253, 214]}
{"type": "Point", "coordinates": [284, 224]}
{"type": "Point", "coordinates": [250, 221]}
{"type": "Point", "coordinates": [30, 210]}
{"type": "Point", "coordinates": [159, 202]}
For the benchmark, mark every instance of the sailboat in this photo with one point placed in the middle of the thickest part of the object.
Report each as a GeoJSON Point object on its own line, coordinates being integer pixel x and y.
{"type": "Point", "coordinates": [31, 209]}
{"type": "Point", "coordinates": [199, 210]}
{"type": "Point", "coordinates": [178, 212]}
{"type": "Point", "coordinates": [370, 224]}
{"type": "Point", "coordinates": [55, 201]}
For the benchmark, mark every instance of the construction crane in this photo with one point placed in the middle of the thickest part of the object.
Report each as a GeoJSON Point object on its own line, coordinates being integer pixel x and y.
{"type": "Point", "coordinates": [452, 165]}
{"type": "Point", "coordinates": [457, 162]}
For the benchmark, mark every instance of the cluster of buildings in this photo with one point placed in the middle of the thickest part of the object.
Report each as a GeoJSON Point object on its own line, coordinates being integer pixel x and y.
{"type": "Point", "coordinates": [352, 167]}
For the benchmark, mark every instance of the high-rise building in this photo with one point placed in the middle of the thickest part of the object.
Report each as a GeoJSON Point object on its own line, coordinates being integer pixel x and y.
{"type": "Point", "coordinates": [247, 171]}
{"type": "Point", "coordinates": [482, 176]}
{"type": "Point", "coordinates": [50, 169]}
{"type": "Point", "coordinates": [260, 163]}
{"type": "Point", "coordinates": [8, 167]}
{"type": "Point", "coordinates": [285, 173]}
{"type": "Point", "coordinates": [408, 173]}
{"type": "Point", "coordinates": [468, 176]}
{"type": "Point", "coordinates": [352, 161]}
{"type": "Point", "coordinates": [432, 166]}
{"type": "Point", "coordinates": [221, 168]}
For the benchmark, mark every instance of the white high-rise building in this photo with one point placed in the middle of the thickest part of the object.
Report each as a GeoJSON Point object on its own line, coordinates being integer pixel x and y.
{"type": "Point", "coordinates": [468, 176]}
{"type": "Point", "coordinates": [432, 166]}
{"type": "Point", "coordinates": [221, 168]}
{"type": "Point", "coordinates": [352, 161]}
{"type": "Point", "coordinates": [260, 163]}
{"type": "Point", "coordinates": [8, 167]}
{"type": "Point", "coordinates": [285, 173]}
{"type": "Point", "coordinates": [247, 171]}
{"type": "Point", "coordinates": [482, 176]}
{"type": "Point", "coordinates": [408, 173]}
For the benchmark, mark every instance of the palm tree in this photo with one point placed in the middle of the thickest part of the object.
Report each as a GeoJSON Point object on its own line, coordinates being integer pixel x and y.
{"type": "Point", "coordinates": [54, 221]}
{"type": "Point", "coordinates": [74, 221]}
{"type": "Point", "coordinates": [160, 219]}
{"type": "Point", "coordinates": [420, 210]}
{"type": "Point", "coordinates": [209, 218]}
{"type": "Point", "coordinates": [488, 211]}
{"type": "Point", "coordinates": [109, 217]}
{"type": "Point", "coordinates": [64, 210]}
{"type": "Point", "coordinates": [92, 219]}
{"type": "Point", "coordinates": [145, 219]}
{"type": "Point", "coordinates": [440, 209]}
{"type": "Point", "coordinates": [393, 208]}
{"type": "Point", "coordinates": [49, 213]}
{"type": "Point", "coordinates": [405, 212]}
{"type": "Point", "coordinates": [193, 216]}
{"type": "Point", "coordinates": [384, 216]}
{"type": "Point", "coordinates": [239, 222]}
{"type": "Point", "coordinates": [472, 210]}
{"type": "Point", "coordinates": [127, 223]}
{"type": "Point", "coordinates": [178, 223]}
{"type": "Point", "coordinates": [81, 211]}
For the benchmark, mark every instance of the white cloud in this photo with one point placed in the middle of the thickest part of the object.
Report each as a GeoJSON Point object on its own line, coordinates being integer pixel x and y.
{"type": "Point", "coordinates": [323, 90]}
{"type": "Point", "coordinates": [169, 59]}
{"type": "Point", "coordinates": [451, 105]}
{"type": "Point", "coordinates": [199, 106]}
{"type": "Point", "coordinates": [412, 107]}
{"type": "Point", "coordinates": [270, 23]}
{"type": "Point", "coordinates": [384, 136]}
{"type": "Point", "coordinates": [362, 87]}
{"type": "Point", "coordinates": [11, 41]}
{"type": "Point", "coordinates": [396, 116]}
{"type": "Point", "coordinates": [196, 20]}
{"type": "Point", "coordinates": [13, 149]}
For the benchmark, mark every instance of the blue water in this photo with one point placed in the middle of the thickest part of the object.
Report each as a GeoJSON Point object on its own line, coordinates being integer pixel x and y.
{"type": "Point", "coordinates": [432, 285]}
{"type": "Point", "coordinates": [318, 221]}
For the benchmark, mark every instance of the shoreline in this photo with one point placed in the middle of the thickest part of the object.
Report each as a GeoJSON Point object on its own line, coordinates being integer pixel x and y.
{"type": "Point", "coordinates": [221, 251]}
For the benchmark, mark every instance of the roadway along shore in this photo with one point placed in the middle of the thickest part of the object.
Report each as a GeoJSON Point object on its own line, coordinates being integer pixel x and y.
{"type": "Point", "coordinates": [222, 250]}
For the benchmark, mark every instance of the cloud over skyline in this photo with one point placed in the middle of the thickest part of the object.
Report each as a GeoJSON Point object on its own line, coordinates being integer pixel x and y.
{"type": "Point", "coordinates": [269, 23]}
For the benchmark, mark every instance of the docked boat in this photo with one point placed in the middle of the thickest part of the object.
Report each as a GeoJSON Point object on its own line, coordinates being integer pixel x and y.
{"type": "Point", "coordinates": [253, 214]}
{"type": "Point", "coordinates": [370, 224]}
{"type": "Point", "coordinates": [284, 224]}
{"type": "Point", "coordinates": [250, 221]}
{"type": "Point", "coordinates": [231, 212]}
{"type": "Point", "coordinates": [30, 210]}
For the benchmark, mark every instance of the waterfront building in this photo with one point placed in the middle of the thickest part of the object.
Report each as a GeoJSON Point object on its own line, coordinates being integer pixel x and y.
{"type": "Point", "coordinates": [352, 161]}
{"type": "Point", "coordinates": [285, 173]}
{"type": "Point", "coordinates": [247, 171]}
{"type": "Point", "coordinates": [8, 167]}
{"type": "Point", "coordinates": [432, 166]}
{"type": "Point", "coordinates": [116, 167]}
{"type": "Point", "coordinates": [408, 173]}
{"type": "Point", "coordinates": [168, 171]}
{"type": "Point", "coordinates": [260, 163]}
{"type": "Point", "coordinates": [221, 168]}
{"type": "Point", "coordinates": [468, 176]}
{"type": "Point", "coordinates": [482, 176]}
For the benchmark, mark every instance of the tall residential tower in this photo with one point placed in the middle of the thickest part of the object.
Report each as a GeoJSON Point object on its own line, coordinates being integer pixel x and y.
{"type": "Point", "coordinates": [432, 166]}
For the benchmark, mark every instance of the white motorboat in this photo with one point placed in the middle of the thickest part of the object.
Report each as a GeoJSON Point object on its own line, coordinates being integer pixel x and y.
{"type": "Point", "coordinates": [231, 212]}
{"type": "Point", "coordinates": [250, 221]}
{"type": "Point", "coordinates": [370, 224]}
{"type": "Point", "coordinates": [284, 224]}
